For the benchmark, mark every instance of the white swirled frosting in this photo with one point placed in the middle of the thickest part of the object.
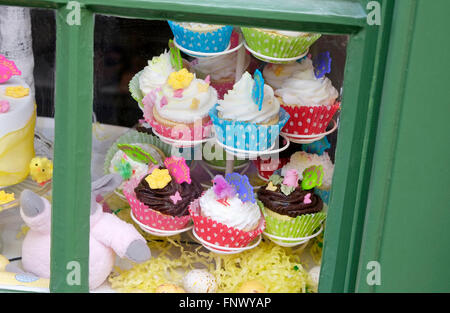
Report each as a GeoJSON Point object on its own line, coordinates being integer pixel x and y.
{"type": "Point", "coordinates": [238, 103]}
{"type": "Point", "coordinates": [303, 88]}
{"type": "Point", "coordinates": [200, 27]}
{"type": "Point", "coordinates": [155, 74]}
{"type": "Point", "coordinates": [220, 67]}
{"type": "Point", "coordinates": [193, 104]}
{"type": "Point", "coordinates": [276, 74]}
{"type": "Point", "coordinates": [240, 215]}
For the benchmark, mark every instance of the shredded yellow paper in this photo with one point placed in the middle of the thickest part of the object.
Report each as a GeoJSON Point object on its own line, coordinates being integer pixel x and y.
{"type": "Point", "coordinates": [279, 269]}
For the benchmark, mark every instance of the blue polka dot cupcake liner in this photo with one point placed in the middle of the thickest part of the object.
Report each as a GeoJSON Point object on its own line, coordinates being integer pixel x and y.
{"type": "Point", "coordinates": [323, 194]}
{"type": "Point", "coordinates": [206, 42]}
{"type": "Point", "coordinates": [247, 136]}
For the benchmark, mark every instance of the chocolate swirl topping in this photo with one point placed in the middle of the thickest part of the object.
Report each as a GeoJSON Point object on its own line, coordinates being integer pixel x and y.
{"type": "Point", "coordinates": [159, 199]}
{"type": "Point", "coordinates": [291, 205]}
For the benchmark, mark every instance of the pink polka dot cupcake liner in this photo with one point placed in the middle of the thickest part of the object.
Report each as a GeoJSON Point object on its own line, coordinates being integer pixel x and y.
{"type": "Point", "coordinates": [198, 132]}
{"type": "Point", "coordinates": [219, 234]}
{"type": "Point", "coordinates": [149, 217]}
{"type": "Point", "coordinates": [309, 120]}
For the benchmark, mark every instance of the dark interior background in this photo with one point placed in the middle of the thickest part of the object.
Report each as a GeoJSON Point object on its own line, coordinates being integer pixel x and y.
{"type": "Point", "coordinates": [121, 49]}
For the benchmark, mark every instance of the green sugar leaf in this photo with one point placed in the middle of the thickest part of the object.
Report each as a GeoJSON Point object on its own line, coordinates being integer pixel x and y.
{"type": "Point", "coordinates": [137, 153]}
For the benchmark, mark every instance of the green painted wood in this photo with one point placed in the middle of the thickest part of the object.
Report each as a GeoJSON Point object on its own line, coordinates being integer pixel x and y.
{"type": "Point", "coordinates": [408, 212]}
{"type": "Point", "coordinates": [327, 16]}
{"type": "Point", "coordinates": [73, 138]}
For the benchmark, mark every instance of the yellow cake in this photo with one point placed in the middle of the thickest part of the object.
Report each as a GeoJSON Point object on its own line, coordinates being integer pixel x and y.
{"type": "Point", "coordinates": [17, 122]}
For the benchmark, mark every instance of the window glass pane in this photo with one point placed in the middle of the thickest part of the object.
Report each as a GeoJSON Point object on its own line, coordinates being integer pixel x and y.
{"type": "Point", "coordinates": [145, 104]}
{"type": "Point", "coordinates": [27, 49]}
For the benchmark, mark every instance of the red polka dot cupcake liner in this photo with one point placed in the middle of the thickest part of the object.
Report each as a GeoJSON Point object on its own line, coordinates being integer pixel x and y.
{"type": "Point", "coordinates": [309, 120]}
{"type": "Point", "coordinates": [219, 234]}
{"type": "Point", "coordinates": [149, 217]}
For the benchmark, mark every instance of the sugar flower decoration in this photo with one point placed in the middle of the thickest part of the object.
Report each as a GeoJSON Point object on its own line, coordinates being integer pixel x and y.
{"type": "Point", "coordinates": [4, 106]}
{"type": "Point", "coordinates": [17, 91]}
{"type": "Point", "coordinates": [180, 79]}
{"type": "Point", "coordinates": [291, 178]}
{"type": "Point", "coordinates": [312, 177]}
{"type": "Point", "coordinates": [6, 197]}
{"type": "Point", "coordinates": [158, 179]}
{"type": "Point", "coordinates": [271, 187]}
{"type": "Point", "coordinates": [202, 87]}
{"type": "Point", "coordinates": [178, 169]}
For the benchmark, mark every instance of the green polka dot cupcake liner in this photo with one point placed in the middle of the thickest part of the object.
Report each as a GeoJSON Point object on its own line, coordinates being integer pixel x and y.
{"type": "Point", "coordinates": [277, 46]}
{"type": "Point", "coordinates": [135, 91]}
{"type": "Point", "coordinates": [302, 226]}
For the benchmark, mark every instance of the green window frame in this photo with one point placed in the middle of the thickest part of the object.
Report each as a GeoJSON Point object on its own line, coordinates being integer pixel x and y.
{"type": "Point", "coordinates": [365, 63]}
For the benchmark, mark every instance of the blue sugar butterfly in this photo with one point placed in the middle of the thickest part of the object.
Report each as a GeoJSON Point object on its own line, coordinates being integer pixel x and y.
{"type": "Point", "coordinates": [242, 186]}
{"type": "Point", "coordinates": [322, 64]}
{"type": "Point", "coordinates": [318, 147]}
{"type": "Point", "coordinates": [258, 89]}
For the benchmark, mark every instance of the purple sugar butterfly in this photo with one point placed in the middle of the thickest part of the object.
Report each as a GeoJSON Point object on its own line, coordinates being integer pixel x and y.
{"type": "Point", "coordinates": [242, 186]}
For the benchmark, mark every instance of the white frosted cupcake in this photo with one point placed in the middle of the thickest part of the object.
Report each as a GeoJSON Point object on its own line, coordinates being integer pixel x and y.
{"type": "Point", "coordinates": [310, 101]}
{"type": "Point", "coordinates": [246, 122]}
{"type": "Point", "coordinates": [180, 108]}
{"type": "Point", "coordinates": [235, 213]}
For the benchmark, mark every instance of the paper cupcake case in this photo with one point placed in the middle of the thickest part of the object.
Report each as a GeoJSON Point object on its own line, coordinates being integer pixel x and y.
{"type": "Point", "coordinates": [266, 168]}
{"type": "Point", "coordinates": [219, 234]}
{"type": "Point", "coordinates": [301, 226]}
{"type": "Point", "coordinates": [309, 120]}
{"type": "Point", "coordinates": [277, 46]}
{"type": "Point", "coordinates": [209, 42]}
{"type": "Point", "coordinates": [150, 217]}
{"type": "Point", "coordinates": [185, 133]}
{"type": "Point", "coordinates": [222, 87]}
{"type": "Point", "coordinates": [131, 137]}
{"type": "Point", "coordinates": [247, 136]}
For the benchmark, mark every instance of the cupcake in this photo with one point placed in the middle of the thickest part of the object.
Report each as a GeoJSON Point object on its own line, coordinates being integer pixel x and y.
{"type": "Point", "coordinates": [249, 116]}
{"type": "Point", "coordinates": [153, 76]}
{"type": "Point", "coordinates": [302, 160]}
{"type": "Point", "coordinates": [310, 99]}
{"type": "Point", "coordinates": [277, 43]}
{"type": "Point", "coordinates": [161, 198]}
{"type": "Point", "coordinates": [133, 154]}
{"type": "Point", "coordinates": [291, 209]}
{"type": "Point", "coordinates": [179, 109]}
{"type": "Point", "coordinates": [200, 37]}
{"type": "Point", "coordinates": [227, 214]}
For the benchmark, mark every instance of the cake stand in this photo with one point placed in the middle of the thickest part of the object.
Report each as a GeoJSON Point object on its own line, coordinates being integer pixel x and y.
{"type": "Point", "coordinates": [292, 242]}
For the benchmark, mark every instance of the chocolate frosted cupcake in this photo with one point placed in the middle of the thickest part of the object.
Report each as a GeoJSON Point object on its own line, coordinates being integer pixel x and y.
{"type": "Point", "coordinates": [161, 199]}
{"type": "Point", "coordinates": [292, 209]}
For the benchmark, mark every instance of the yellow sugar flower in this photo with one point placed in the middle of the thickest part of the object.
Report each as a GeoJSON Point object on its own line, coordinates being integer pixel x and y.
{"type": "Point", "coordinates": [158, 179]}
{"type": "Point", "coordinates": [17, 91]}
{"type": "Point", "coordinates": [6, 197]}
{"type": "Point", "coordinates": [180, 79]}
{"type": "Point", "coordinates": [271, 187]}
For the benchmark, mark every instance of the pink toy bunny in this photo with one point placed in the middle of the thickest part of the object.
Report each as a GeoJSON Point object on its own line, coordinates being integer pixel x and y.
{"type": "Point", "coordinates": [108, 234]}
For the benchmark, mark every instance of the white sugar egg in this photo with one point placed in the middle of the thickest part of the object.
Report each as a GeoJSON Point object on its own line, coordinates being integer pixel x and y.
{"type": "Point", "coordinates": [199, 281]}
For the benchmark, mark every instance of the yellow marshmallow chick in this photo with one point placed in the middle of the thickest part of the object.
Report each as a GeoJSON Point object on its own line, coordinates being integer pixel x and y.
{"type": "Point", "coordinates": [41, 169]}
